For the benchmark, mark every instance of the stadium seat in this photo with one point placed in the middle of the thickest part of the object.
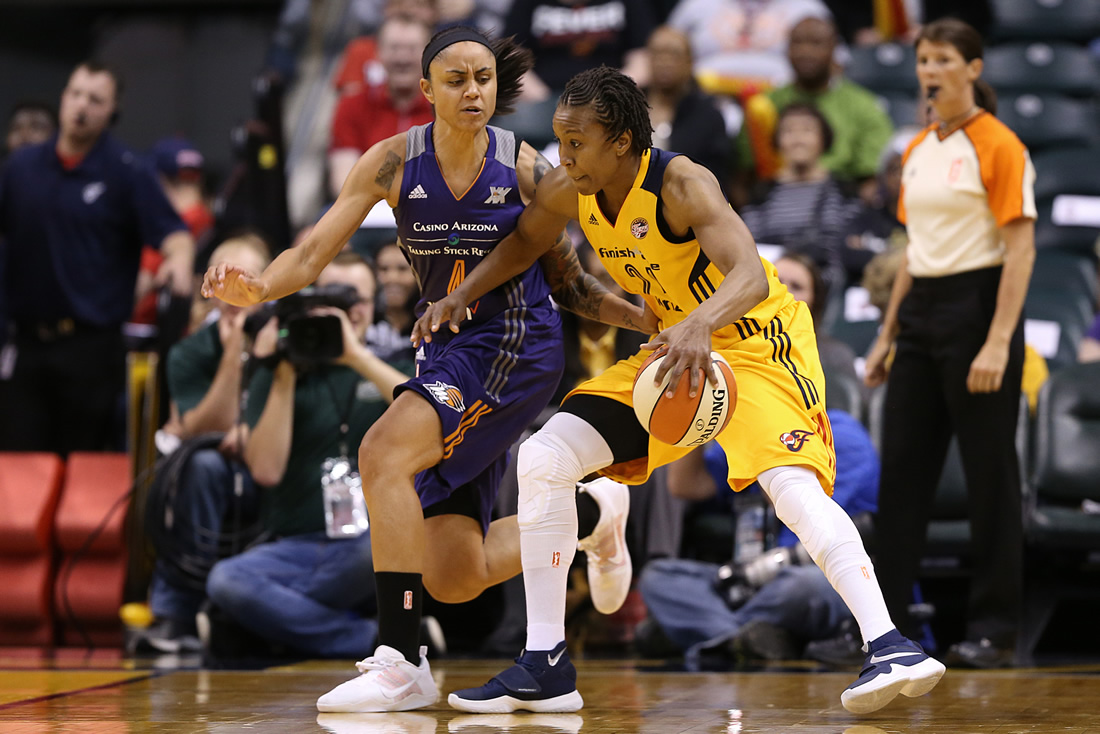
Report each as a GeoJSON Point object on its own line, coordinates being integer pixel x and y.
{"type": "Point", "coordinates": [842, 392]}
{"type": "Point", "coordinates": [1060, 532]}
{"type": "Point", "coordinates": [1067, 172]}
{"type": "Point", "coordinates": [1070, 20]}
{"type": "Point", "coordinates": [1049, 121]}
{"type": "Point", "coordinates": [887, 67]}
{"type": "Point", "coordinates": [29, 488]}
{"type": "Point", "coordinates": [92, 572]}
{"type": "Point", "coordinates": [1061, 269]}
{"type": "Point", "coordinates": [1070, 309]}
{"type": "Point", "coordinates": [902, 107]}
{"type": "Point", "coordinates": [1041, 67]}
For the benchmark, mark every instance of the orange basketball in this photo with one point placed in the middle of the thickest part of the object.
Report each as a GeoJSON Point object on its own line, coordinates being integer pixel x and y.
{"type": "Point", "coordinates": [682, 420]}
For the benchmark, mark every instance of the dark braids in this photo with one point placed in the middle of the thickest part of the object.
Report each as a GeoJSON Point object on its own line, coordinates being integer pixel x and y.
{"type": "Point", "coordinates": [618, 102]}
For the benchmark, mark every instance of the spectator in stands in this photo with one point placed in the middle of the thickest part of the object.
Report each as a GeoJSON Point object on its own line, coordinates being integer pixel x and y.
{"type": "Point", "coordinates": [179, 167]}
{"type": "Point", "coordinates": [1089, 350]}
{"type": "Point", "coordinates": [860, 127]}
{"type": "Point", "coordinates": [875, 227]}
{"type": "Point", "coordinates": [74, 213]}
{"type": "Point", "coordinates": [204, 387]}
{"type": "Point", "coordinates": [398, 293]}
{"type": "Point", "coordinates": [955, 315]}
{"type": "Point", "coordinates": [743, 41]}
{"type": "Point", "coordinates": [567, 37]}
{"type": "Point", "coordinates": [29, 123]}
{"type": "Point", "coordinates": [803, 279]}
{"type": "Point", "coordinates": [768, 607]}
{"type": "Point", "coordinates": [804, 210]}
{"type": "Point", "coordinates": [307, 588]}
{"type": "Point", "coordinates": [684, 119]}
{"type": "Point", "coordinates": [386, 108]}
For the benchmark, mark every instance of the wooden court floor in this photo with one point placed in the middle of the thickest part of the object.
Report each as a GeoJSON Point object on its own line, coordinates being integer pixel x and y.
{"type": "Point", "coordinates": [85, 696]}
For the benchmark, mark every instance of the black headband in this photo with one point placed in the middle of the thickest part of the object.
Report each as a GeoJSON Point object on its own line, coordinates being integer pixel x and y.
{"type": "Point", "coordinates": [458, 34]}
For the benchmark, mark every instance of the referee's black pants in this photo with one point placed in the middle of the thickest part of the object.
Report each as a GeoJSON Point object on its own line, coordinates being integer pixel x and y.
{"type": "Point", "coordinates": [943, 324]}
{"type": "Point", "coordinates": [63, 391]}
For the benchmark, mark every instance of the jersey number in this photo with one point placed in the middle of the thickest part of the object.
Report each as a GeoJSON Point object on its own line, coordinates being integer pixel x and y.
{"type": "Point", "coordinates": [647, 286]}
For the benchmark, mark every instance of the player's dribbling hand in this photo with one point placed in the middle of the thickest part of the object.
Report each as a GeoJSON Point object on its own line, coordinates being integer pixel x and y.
{"type": "Point", "coordinates": [451, 309]}
{"type": "Point", "coordinates": [234, 285]}
{"type": "Point", "coordinates": [689, 345]}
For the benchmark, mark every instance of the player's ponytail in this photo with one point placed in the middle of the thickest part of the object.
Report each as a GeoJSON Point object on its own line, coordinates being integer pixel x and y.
{"type": "Point", "coordinates": [513, 61]}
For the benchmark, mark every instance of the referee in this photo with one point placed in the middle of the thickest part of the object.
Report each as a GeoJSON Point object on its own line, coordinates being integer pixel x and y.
{"type": "Point", "coordinates": [968, 204]}
{"type": "Point", "coordinates": [74, 213]}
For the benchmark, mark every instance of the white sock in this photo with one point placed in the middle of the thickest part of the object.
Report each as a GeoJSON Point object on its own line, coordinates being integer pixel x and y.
{"type": "Point", "coordinates": [831, 539]}
{"type": "Point", "coordinates": [550, 464]}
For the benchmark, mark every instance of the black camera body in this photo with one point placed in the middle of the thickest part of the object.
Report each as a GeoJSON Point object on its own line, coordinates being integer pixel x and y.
{"type": "Point", "coordinates": [308, 340]}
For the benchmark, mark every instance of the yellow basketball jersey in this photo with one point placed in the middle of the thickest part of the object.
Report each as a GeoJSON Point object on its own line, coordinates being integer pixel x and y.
{"type": "Point", "coordinates": [671, 273]}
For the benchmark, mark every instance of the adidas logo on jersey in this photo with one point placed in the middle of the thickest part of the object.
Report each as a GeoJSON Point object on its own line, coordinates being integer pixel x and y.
{"type": "Point", "coordinates": [592, 219]}
{"type": "Point", "coordinates": [418, 193]}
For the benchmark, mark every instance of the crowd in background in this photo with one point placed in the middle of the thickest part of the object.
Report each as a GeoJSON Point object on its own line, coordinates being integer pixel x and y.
{"type": "Point", "coordinates": [755, 90]}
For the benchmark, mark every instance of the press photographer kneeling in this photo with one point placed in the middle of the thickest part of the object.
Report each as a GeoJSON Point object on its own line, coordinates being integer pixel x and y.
{"type": "Point", "coordinates": [316, 391]}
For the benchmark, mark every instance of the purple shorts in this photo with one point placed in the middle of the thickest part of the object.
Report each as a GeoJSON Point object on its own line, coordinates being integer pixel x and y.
{"type": "Point", "coordinates": [488, 383]}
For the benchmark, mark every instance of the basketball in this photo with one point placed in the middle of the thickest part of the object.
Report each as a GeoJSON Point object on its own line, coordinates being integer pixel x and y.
{"type": "Point", "coordinates": [683, 420]}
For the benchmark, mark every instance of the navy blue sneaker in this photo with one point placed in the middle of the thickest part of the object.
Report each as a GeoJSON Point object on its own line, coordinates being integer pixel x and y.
{"type": "Point", "coordinates": [543, 681]}
{"type": "Point", "coordinates": [895, 664]}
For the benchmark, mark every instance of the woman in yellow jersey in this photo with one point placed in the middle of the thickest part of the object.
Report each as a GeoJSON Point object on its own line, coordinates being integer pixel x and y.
{"type": "Point", "coordinates": [661, 226]}
{"type": "Point", "coordinates": [968, 204]}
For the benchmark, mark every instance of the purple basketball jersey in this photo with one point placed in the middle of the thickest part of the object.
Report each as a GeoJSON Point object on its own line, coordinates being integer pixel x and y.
{"type": "Point", "coordinates": [447, 234]}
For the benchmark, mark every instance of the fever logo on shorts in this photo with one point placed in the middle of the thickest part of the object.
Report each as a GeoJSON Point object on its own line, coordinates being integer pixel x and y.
{"type": "Point", "coordinates": [794, 440]}
{"type": "Point", "coordinates": [556, 560]}
{"type": "Point", "coordinates": [448, 395]}
{"type": "Point", "coordinates": [408, 600]}
{"type": "Point", "coordinates": [639, 228]}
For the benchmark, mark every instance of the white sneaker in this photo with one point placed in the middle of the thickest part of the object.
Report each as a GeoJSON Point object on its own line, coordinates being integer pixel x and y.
{"type": "Point", "coordinates": [377, 723]}
{"type": "Point", "coordinates": [609, 566]}
{"type": "Point", "coordinates": [388, 682]}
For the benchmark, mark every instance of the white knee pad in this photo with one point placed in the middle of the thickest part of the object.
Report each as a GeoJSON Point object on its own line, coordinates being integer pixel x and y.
{"type": "Point", "coordinates": [803, 506]}
{"type": "Point", "coordinates": [552, 461]}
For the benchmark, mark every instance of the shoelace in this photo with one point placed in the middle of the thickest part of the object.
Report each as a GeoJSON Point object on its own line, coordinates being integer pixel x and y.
{"type": "Point", "coordinates": [374, 663]}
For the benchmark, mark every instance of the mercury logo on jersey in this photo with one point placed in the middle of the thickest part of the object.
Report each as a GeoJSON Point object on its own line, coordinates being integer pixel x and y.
{"type": "Point", "coordinates": [497, 194]}
{"type": "Point", "coordinates": [448, 395]}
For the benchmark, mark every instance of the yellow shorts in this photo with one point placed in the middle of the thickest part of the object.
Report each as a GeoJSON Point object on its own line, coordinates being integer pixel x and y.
{"type": "Point", "coordinates": [780, 416]}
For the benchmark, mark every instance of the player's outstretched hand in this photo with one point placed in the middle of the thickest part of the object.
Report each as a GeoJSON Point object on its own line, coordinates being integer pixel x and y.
{"type": "Point", "coordinates": [234, 285]}
{"type": "Point", "coordinates": [451, 309]}
{"type": "Point", "coordinates": [688, 351]}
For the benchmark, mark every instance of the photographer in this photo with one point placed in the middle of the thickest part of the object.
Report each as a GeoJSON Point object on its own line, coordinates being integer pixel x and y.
{"type": "Point", "coordinates": [767, 607]}
{"type": "Point", "coordinates": [204, 387]}
{"type": "Point", "coordinates": [310, 406]}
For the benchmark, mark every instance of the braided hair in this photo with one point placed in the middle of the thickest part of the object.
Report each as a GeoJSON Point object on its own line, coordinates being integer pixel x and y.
{"type": "Point", "coordinates": [618, 102]}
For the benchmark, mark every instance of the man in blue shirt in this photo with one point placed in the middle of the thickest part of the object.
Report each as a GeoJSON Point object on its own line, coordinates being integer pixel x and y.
{"type": "Point", "coordinates": [74, 213]}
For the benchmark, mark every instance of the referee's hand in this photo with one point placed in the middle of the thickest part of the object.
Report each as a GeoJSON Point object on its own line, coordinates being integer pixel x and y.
{"type": "Point", "coordinates": [987, 371]}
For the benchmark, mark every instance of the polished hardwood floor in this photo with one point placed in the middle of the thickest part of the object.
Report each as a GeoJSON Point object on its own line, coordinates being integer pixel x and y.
{"type": "Point", "coordinates": [68, 692]}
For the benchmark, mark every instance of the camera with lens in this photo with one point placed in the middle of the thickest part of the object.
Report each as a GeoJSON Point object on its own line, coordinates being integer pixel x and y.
{"type": "Point", "coordinates": [737, 582]}
{"type": "Point", "coordinates": [307, 339]}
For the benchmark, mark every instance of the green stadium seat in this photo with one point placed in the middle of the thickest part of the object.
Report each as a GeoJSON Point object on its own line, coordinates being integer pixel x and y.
{"type": "Point", "coordinates": [1041, 67]}
{"type": "Point", "coordinates": [1072, 310]}
{"type": "Point", "coordinates": [1060, 534]}
{"type": "Point", "coordinates": [1045, 121]}
{"type": "Point", "coordinates": [1067, 172]}
{"type": "Point", "coordinates": [1070, 20]}
{"type": "Point", "coordinates": [1063, 269]}
{"type": "Point", "coordinates": [902, 107]}
{"type": "Point", "coordinates": [887, 67]}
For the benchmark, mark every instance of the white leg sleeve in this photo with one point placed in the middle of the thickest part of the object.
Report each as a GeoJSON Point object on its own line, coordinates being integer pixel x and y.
{"type": "Point", "coordinates": [831, 539]}
{"type": "Point", "coordinates": [550, 464]}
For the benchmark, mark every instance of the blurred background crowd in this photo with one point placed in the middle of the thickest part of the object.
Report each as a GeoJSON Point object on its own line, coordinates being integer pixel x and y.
{"type": "Point", "coordinates": [209, 131]}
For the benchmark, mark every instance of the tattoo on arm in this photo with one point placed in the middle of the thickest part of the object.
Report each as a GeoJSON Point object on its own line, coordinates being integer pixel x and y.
{"type": "Point", "coordinates": [388, 170]}
{"type": "Point", "coordinates": [541, 167]}
{"type": "Point", "coordinates": [573, 289]}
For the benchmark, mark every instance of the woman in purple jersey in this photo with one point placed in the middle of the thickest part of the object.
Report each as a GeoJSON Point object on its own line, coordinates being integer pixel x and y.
{"type": "Point", "coordinates": [431, 464]}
